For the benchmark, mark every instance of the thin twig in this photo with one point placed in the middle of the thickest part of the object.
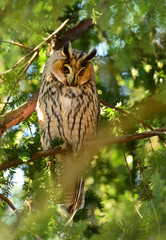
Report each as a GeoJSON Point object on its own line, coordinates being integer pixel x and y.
{"type": "Point", "coordinates": [17, 44]}
{"type": "Point", "coordinates": [37, 236]}
{"type": "Point", "coordinates": [146, 189]}
{"type": "Point", "coordinates": [131, 183]}
{"type": "Point", "coordinates": [5, 104]}
{"type": "Point", "coordinates": [28, 64]}
{"type": "Point", "coordinates": [150, 141]}
{"type": "Point", "coordinates": [36, 48]}
{"type": "Point", "coordinates": [15, 211]}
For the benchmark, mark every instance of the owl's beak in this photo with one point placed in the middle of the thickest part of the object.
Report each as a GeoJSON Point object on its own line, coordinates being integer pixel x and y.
{"type": "Point", "coordinates": [71, 81]}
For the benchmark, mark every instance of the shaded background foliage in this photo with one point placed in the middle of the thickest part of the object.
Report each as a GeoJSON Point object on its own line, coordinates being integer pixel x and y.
{"type": "Point", "coordinates": [130, 72]}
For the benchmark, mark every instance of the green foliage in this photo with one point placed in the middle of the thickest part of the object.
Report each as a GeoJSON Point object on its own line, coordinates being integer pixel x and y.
{"type": "Point", "coordinates": [130, 70]}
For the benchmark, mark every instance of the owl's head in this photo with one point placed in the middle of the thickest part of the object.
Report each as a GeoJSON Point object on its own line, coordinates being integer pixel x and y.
{"type": "Point", "coordinates": [71, 67]}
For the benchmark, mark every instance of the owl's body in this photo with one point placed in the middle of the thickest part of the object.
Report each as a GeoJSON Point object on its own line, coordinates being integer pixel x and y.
{"type": "Point", "coordinates": [68, 105]}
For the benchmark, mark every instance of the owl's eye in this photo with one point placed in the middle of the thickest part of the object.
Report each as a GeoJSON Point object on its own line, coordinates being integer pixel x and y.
{"type": "Point", "coordinates": [81, 72]}
{"type": "Point", "coordinates": [65, 69]}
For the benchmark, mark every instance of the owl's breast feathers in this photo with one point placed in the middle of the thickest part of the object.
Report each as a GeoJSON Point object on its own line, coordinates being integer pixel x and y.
{"type": "Point", "coordinates": [70, 113]}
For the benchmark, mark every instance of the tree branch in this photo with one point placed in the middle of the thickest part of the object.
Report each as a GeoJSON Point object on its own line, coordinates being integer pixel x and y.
{"type": "Point", "coordinates": [18, 115]}
{"type": "Point", "coordinates": [28, 64]}
{"type": "Point", "coordinates": [96, 144]}
{"type": "Point", "coordinates": [126, 138]}
{"type": "Point", "coordinates": [15, 210]}
{"type": "Point", "coordinates": [34, 157]}
{"type": "Point", "coordinates": [72, 33]}
{"type": "Point", "coordinates": [9, 203]}
{"type": "Point", "coordinates": [16, 44]}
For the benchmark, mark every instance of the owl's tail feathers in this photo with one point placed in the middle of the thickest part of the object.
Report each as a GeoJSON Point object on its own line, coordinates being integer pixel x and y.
{"type": "Point", "coordinates": [79, 200]}
{"type": "Point", "coordinates": [72, 205]}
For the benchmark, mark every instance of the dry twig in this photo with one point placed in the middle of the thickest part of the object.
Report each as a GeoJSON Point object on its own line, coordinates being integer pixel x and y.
{"type": "Point", "coordinates": [16, 44]}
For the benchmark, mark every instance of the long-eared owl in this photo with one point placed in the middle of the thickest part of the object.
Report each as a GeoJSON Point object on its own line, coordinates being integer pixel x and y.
{"type": "Point", "coordinates": [68, 108]}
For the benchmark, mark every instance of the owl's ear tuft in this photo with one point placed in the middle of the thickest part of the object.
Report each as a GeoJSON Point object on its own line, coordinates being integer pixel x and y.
{"type": "Point", "coordinates": [67, 50]}
{"type": "Point", "coordinates": [90, 55]}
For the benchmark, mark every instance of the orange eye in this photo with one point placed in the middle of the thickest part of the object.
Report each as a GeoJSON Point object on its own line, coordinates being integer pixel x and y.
{"type": "Point", "coordinates": [81, 72]}
{"type": "Point", "coordinates": [65, 69]}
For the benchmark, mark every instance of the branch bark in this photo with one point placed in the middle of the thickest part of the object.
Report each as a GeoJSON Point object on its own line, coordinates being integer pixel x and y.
{"type": "Point", "coordinates": [72, 33]}
{"type": "Point", "coordinates": [34, 157]}
{"type": "Point", "coordinates": [18, 115]}
{"type": "Point", "coordinates": [96, 144]}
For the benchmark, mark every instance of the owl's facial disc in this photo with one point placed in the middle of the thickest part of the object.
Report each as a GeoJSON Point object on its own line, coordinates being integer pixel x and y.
{"type": "Point", "coordinates": [73, 67]}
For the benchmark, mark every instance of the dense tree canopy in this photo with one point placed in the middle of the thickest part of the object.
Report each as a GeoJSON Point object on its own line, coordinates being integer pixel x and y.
{"type": "Point", "coordinates": [126, 183]}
